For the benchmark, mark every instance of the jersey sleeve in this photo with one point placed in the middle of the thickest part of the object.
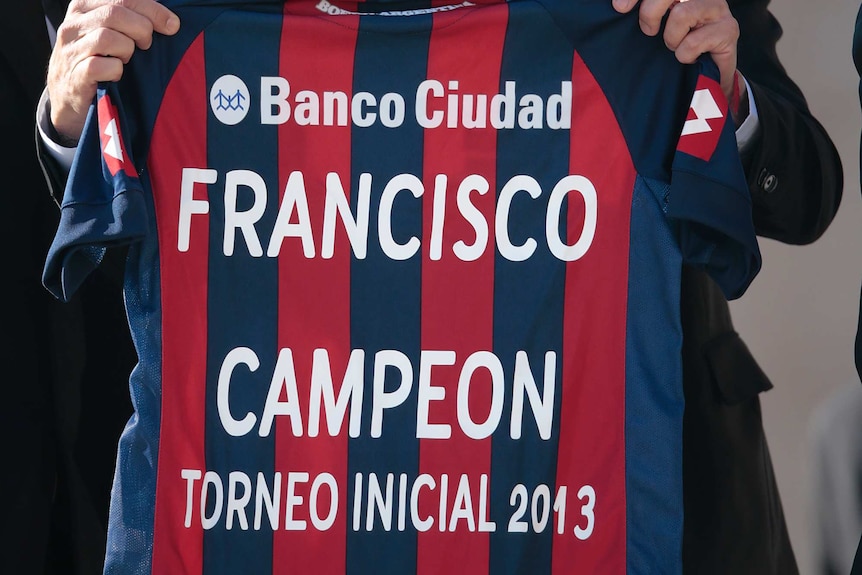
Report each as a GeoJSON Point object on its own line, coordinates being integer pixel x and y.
{"type": "Point", "coordinates": [650, 92]}
{"type": "Point", "coordinates": [103, 204]}
{"type": "Point", "coordinates": [709, 196]}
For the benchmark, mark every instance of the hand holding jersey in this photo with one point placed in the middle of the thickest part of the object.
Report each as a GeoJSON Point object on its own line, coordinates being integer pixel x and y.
{"type": "Point", "coordinates": [95, 41]}
{"type": "Point", "coordinates": [696, 27]}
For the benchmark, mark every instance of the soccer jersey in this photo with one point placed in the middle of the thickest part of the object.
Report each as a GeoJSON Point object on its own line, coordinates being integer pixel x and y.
{"type": "Point", "coordinates": [403, 279]}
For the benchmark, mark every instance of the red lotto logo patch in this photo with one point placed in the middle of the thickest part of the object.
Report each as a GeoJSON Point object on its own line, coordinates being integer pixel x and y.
{"type": "Point", "coordinates": [113, 148]}
{"type": "Point", "coordinates": [705, 120]}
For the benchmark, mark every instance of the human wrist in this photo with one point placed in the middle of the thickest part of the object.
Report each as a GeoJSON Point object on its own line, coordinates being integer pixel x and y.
{"type": "Point", "coordinates": [54, 134]}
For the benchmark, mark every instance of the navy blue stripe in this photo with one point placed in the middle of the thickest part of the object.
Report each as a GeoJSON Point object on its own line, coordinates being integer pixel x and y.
{"type": "Point", "coordinates": [654, 400]}
{"type": "Point", "coordinates": [243, 292]}
{"type": "Point", "coordinates": [385, 294]}
{"type": "Point", "coordinates": [528, 295]}
{"type": "Point", "coordinates": [139, 444]}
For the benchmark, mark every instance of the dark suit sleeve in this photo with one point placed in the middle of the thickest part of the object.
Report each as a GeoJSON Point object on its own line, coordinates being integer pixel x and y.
{"type": "Point", "coordinates": [793, 168]}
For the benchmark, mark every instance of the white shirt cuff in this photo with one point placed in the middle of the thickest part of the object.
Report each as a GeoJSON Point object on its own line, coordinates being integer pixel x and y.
{"type": "Point", "coordinates": [63, 155]}
{"type": "Point", "coordinates": [751, 125]}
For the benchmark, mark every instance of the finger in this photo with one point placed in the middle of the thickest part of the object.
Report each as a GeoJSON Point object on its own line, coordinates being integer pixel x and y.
{"type": "Point", "coordinates": [120, 19]}
{"type": "Point", "coordinates": [686, 16]}
{"type": "Point", "coordinates": [161, 19]}
{"type": "Point", "coordinates": [95, 69]}
{"type": "Point", "coordinates": [85, 76]}
{"type": "Point", "coordinates": [719, 40]}
{"type": "Point", "coordinates": [78, 25]}
{"type": "Point", "coordinates": [651, 14]}
{"type": "Point", "coordinates": [624, 6]}
{"type": "Point", "coordinates": [107, 42]}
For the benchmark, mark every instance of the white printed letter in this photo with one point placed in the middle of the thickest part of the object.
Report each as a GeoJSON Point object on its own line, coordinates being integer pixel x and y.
{"type": "Point", "coordinates": [474, 217]}
{"type": "Point", "coordinates": [294, 199]}
{"type": "Point", "coordinates": [558, 247]}
{"type": "Point", "coordinates": [276, 99]}
{"type": "Point", "coordinates": [189, 205]}
{"type": "Point", "coordinates": [284, 377]}
{"type": "Point", "coordinates": [392, 249]}
{"type": "Point", "coordinates": [428, 89]}
{"type": "Point", "coordinates": [190, 475]}
{"type": "Point", "coordinates": [383, 399]}
{"type": "Point", "coordinates": [236, 356]}
{"type": "Point", "coordinates": [490, 362]}
{"type": "Point", "coordinates": [244, 221]}
{"type": "Point", "coordinates": [504, 244]}
{"type": "Point", "coordinates": [336, 202]}
{"type": "Point", "coordinates": [350, 391]}
{"type": "Point", "coordinates": [428, 393]}
{"type": "Point", "coordinates": [543, 408]}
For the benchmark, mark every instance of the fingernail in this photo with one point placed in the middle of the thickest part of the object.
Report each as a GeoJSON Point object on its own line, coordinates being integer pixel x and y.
{"type": "Point", "coordinates": [623, 5]}
{"type": "Point", "coordinates": [646, 28]}
{"type": "Point", "coordinates": [172, 25]}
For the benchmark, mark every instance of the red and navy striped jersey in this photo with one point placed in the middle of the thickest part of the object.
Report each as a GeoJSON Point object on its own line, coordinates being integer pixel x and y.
{"type": "Point", "coordinates": [403, 279]}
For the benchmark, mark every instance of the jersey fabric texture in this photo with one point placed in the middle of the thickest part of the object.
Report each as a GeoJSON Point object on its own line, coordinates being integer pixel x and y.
{"type": "Point", "coordinates": [404, 284]}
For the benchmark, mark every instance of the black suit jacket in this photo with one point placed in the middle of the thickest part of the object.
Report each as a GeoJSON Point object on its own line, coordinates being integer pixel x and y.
{"type": "Point", "coordinates": [26, 422]}
{"type": "Point", "coordinates": [733, 517]}
{"type": "Point", "coordinates": [63, 409]}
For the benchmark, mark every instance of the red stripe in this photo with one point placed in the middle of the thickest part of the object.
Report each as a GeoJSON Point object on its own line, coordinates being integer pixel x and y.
{"type": "Point", "coordinates": [457, 313]}
{"type": "Point", "coordinates": [592, 414]}
{"type": "Point", "coordinates": [314, 294]}
{"type": "Point", "coordinates": [179, 141]}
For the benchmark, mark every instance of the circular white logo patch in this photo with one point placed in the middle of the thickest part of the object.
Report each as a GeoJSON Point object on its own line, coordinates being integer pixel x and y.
{"type": "Point", "coordinates": [229, 100]}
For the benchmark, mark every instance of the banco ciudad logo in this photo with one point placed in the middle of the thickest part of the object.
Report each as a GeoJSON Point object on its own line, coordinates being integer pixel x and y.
{"type": "Point", "coordinates": [229, 99]}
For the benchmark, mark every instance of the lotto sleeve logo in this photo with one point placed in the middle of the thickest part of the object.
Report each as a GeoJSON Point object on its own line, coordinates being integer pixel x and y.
{"type": "Point", "coordinates": [113, 148]}
{"type": "Point", "coordinates": [705, 121]}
